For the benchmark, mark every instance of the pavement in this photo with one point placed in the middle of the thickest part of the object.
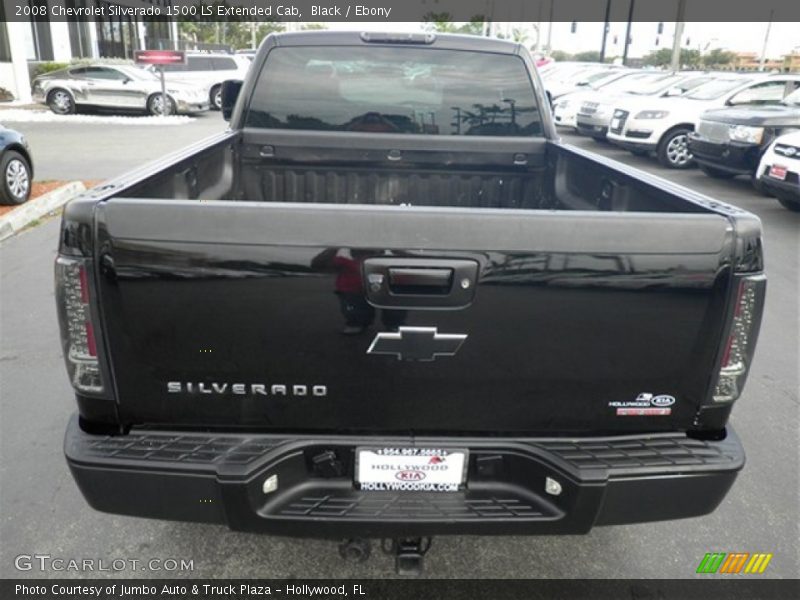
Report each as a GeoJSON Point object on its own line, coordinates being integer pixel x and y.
{"type": "Point", "coordinates": [94, 148]}
{"type": "Point", "coordinates": [25, 115]}
{"type": "Point", "coordinates": [42, 511]}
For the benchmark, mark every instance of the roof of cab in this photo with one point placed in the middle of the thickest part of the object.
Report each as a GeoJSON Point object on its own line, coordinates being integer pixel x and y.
{"type": "Point", "coordinates": [441, 41]}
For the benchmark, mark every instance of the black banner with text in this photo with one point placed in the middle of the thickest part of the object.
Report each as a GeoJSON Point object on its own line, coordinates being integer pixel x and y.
{"type": "Point", "coordinates": [405, 10]}
{"type": "Point", "coordinates": [239, 589]}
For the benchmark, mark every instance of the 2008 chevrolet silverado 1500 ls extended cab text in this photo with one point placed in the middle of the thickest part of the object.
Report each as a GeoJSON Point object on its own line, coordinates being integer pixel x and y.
{"type": "Point", "coordinates": [389, 302]}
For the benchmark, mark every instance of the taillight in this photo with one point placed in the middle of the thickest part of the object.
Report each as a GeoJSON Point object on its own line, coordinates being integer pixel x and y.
{"type": "Point", "coordinates": [741, 339]}
{"type": "Point", "coordinates": [73, 294]}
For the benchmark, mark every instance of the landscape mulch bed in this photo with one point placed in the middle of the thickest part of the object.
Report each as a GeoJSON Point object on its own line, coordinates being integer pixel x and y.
{"type": "Point", "coordinates": [42, 187]}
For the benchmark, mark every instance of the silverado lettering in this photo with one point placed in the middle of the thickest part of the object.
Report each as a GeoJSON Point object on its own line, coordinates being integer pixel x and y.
{"type": "Point", "coordinates": [390, 196]}
{"type": "Point", "coordinates": [178, 387]}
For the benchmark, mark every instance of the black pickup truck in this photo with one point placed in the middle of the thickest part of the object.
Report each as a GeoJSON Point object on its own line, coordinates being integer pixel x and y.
{"type": "Point", "coordinates": [389, 302]}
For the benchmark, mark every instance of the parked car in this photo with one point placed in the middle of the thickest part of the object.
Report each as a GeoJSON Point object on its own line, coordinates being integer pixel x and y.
{"type": "Point", "coordinates": [208, 71]}
{"type": "Point", "coordinates": [566, 108]}
{"type": "Point", "coordinates": [248, 54]}
{"type": "Point", "coordinates": [594, 114]}
{"type": "Point", "coordinates": [16, 167]}
{"type": "Point", "coordinates": [499, 376]}
{"type": "Point", "coordinates": [662, 125]}
{"type": "Point", "coordinates": [595, 76]}
{"type": "Point", "coordinates": [565, 77]}
{"type": "Point", "coordinates": [731, 141]}
{"type": "Point", "coordinates": [779, 170]}
{"type": "Point", "coordinates": [114, 86]}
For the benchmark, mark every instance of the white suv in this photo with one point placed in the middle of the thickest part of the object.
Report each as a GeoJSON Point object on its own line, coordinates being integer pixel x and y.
{"type": "Point", "coordinates": [662, 125]}
{"type": "Point", "coordinates": [208, 71]}
{"type": "Point", "coordinates": [594, 114]}
{"type": "Point", "coordinates": [779, 171]}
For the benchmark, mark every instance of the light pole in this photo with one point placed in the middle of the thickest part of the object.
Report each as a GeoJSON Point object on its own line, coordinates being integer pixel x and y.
{"type": "Point", "coordinates": [628, 33]}
{"type": "Point", "coordinates": [675, 63]}
{"type": "Point", "coordinates": [550, 28]}
{"type": "Point", "coordinates": [605, 32]}
{"type": "Point", "coordinates": [763, 60]}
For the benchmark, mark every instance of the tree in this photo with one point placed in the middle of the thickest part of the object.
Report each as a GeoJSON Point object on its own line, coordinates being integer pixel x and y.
{"type": "Point", "coordinates": [519, 35]}
{"type": "Point", "coordinates": [197, 31]}
{"type": "Point", "coordinates": [588, 56]}
{"type": "Point", "coordinates": [313, 26]}
{"type": "Point", "coordinates": [441, 23]}
{"type": "Point", "coordinates": [718, 58]}
{"type": "Point", "coordinates": [560, 55]}
{"type": "Point", "coordinates": [691, 58]}
{"type": "Point", "coordinates": [232, 33]}
{"type": "Point", "coordinates": [658, 58]}
{"type": "Point", "coordinates": [474, 26]}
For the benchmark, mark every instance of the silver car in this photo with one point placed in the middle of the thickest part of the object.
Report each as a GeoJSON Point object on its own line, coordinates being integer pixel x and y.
{"type": "Point", "coordinates": [208, 71]}
{"type": "Point", "coordinates": [115, 86]}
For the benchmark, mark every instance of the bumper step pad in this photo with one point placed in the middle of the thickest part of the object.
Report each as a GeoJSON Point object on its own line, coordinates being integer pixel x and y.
{"type": "Point", "coordinates": [513, 485]}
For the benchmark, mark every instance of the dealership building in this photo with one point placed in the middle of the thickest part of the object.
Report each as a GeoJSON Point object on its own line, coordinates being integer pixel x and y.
{"type": "Point", "coordinates": [25, 43]}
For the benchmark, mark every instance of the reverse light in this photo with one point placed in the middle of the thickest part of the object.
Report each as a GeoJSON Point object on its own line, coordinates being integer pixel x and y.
{"type": "Point", "coordinates": [743, 133]}
{"type": "Point", "coordinates": [651, 114]}
{"type": "Point", "coordinates": [740, 345]}
{"type": "Point", "coordinates": [78, 339]}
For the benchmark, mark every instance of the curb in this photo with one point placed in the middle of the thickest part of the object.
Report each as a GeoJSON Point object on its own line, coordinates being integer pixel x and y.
{"type": "Point", "coordinates": [19, 218]}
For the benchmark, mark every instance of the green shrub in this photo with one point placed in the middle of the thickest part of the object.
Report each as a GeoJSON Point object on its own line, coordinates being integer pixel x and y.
{"type": "Point", "coordinates": [48, 67]}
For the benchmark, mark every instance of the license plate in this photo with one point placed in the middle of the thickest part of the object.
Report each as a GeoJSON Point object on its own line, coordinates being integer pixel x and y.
{"type": "Point", "coordinates": [410, 469]}
{"type": "Point", "coordinates": [615, 123]}
{"type": "Point", "coordinates": [778, 172]}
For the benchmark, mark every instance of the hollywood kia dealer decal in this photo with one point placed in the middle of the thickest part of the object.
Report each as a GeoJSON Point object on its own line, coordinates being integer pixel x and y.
{"type": "Point", "coordinates": [410, 469]}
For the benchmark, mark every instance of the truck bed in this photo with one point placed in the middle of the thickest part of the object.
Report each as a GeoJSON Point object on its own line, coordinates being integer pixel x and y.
{"type": "Point", "coordinates": [315, 167]}
{"type": "Point", "coordinates": [593, 287]}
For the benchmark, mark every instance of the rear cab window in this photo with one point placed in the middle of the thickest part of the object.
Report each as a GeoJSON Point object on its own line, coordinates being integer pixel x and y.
{"type": "Point", "coordinates": [395, 90]}
{"type": "Point", "coordinates": [222, 63]}
{"type": "Point", "coordinates": [198, 63]}
{"type": "Point", "coordinates": [172, 68]}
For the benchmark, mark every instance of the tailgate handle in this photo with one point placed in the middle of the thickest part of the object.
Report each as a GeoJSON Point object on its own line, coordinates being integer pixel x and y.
{"type": "Point", "coordinates": [409, 280]}
{"type": "Point", "coordinates": [422, 283]}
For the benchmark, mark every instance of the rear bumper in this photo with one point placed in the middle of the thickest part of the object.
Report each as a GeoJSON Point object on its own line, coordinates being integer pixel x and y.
{"type": "Point", "coordinates": [218, 478]}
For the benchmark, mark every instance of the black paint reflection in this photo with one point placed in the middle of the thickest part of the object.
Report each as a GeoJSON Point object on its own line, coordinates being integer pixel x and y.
{"type": "Point", "coordinates": [349, 287]}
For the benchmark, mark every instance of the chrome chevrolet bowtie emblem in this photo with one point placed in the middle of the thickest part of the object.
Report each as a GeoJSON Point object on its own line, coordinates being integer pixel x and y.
{"type": "Point", "coordinates": [417, 343]}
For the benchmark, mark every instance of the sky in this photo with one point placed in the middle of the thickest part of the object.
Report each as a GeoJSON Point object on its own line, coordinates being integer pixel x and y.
{"type": "Point", "coordinates": [737, 37]}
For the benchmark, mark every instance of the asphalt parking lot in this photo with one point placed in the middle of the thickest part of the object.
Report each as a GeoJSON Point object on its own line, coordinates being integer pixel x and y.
{"type": "Point", "coordinates": [44, 513]}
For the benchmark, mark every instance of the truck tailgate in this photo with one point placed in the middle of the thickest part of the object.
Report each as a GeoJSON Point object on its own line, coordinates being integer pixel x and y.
{"type": "Point", "coordinates": [240, 314]}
